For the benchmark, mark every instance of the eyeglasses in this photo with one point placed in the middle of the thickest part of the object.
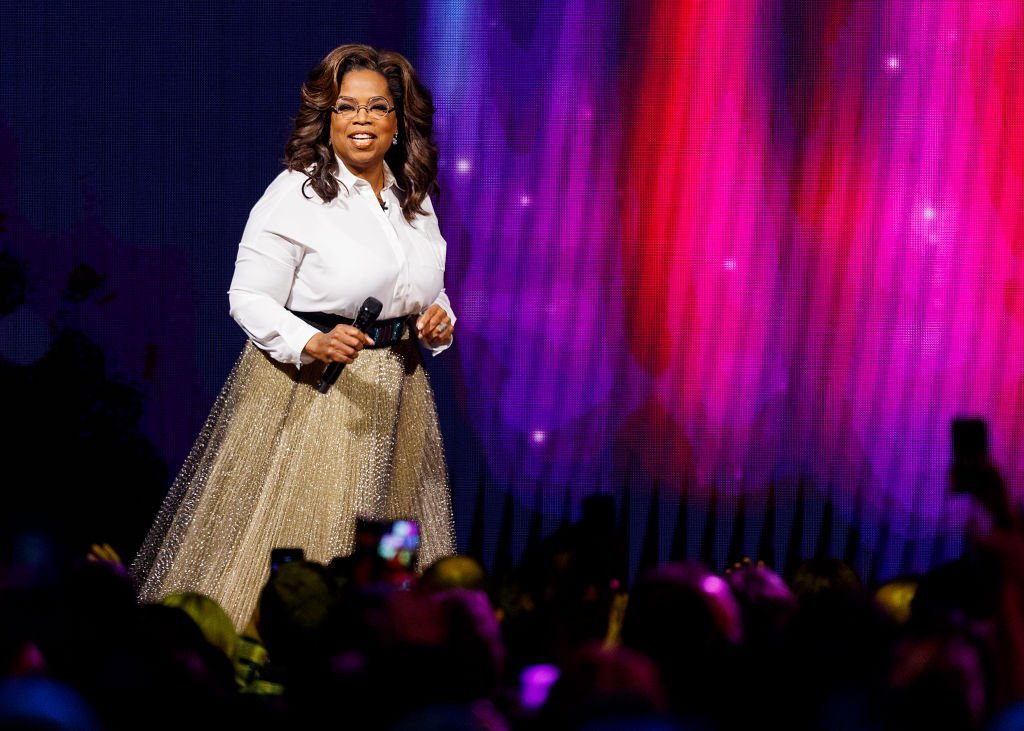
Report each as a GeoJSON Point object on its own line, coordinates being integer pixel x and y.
{"type": "Point", "coordinates": [377, 108]}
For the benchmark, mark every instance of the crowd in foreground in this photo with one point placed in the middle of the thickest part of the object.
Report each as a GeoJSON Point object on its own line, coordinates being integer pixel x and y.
{"type": "Point", "coordinates": [556, 644]}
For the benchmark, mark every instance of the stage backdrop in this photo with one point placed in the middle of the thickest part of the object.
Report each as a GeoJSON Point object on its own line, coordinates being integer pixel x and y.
{"type": "Point", "coordinates": [736, 265]}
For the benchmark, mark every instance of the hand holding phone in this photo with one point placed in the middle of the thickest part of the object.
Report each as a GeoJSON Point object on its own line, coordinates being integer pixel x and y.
{"type": "Point", "coordinates": [973, 473]}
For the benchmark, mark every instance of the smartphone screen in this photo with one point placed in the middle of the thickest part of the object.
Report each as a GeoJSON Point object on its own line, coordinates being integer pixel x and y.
{"type": "Point", "coordinates": [385, 550]}
{"type": "Point", "coordinates": [279, 556]}
{"type": "Point", "coordinates": [970, 440]}
{"type": "Point", "coordinates": [970, 453]}
{"type": "Point", "coordinates": [399, 542]}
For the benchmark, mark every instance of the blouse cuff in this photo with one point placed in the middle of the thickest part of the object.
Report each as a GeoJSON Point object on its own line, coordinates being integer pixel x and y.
{"type": "Point", "coordinates": [442, 301]}
{"type": "Point", "coordinates": [295, 337]}
{"type": "Point", "coordinates": [441, 348]}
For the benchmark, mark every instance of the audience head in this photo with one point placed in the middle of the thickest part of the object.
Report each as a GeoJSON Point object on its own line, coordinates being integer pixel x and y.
{"type": "Point", "coordinates": [454, 572]}
{"type": "Point", "coordinates": [99, 594]}
{"type": "Point", "coordinates": [294, 611]}
{"type": "Point", "coordinates": [475, 651]}
{"type": "Point", "coordinates": [166, 657]}
{"type": "Point", "coordinates": [214, 623]}
{"type": "Point", "coordinates": [605, 683]}
{"type": "Point", "coordinates": [895, 598]}
{"type": "Point", "coordinates": [686, 619]}
{"type": "Point", "coordinates": [955, 595]}
{"type": "Point", "coordinates": [766, 601]}
{"type": "Point", "coordinates": [837, 646]}
{"type": "Point", "coordinates": [818, 576]}
{"type": "Point", "coordinates": [687, 601]}
{"type": "Point", "coordinates": [936, 682]}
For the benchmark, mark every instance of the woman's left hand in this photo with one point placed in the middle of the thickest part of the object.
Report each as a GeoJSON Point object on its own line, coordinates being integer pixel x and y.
{"type": "Point", "coordinates": [434, 327]}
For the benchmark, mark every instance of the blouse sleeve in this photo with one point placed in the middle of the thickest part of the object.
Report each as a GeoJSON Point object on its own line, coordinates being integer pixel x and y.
{"type": "Point", "coordinates": [433, 229]}
{"type": "Point", "coordinates": [264, 272]}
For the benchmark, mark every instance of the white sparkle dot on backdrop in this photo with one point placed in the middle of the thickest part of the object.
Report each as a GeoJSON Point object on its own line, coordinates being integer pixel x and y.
{"type": "Point", "coordinates": [538, 436]}
{"type": "Point", "coordinates": [894, 63]}
{"type": "Point", "coordinates": [463, 165]}
{"type": "Point", "coordinates": [729, 265]}
{"type": "Point", "coordinates": [524, 200]}
{"type": "Point", "coordinates": [929, 213]}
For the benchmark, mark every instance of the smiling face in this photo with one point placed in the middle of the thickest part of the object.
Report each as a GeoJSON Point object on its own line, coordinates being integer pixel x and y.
{"type": "Point", "coordinates": [361, 141]}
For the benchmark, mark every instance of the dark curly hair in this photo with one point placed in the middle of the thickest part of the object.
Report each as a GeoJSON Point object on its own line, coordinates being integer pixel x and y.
{"type": "Point", "coordinates": [413, 160]}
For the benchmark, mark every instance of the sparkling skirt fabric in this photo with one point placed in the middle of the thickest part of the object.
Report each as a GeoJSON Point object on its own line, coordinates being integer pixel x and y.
{"type": "Point", "coordinates": [279, 464]}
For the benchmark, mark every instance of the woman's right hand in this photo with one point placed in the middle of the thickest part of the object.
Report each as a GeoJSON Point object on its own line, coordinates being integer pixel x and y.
{"type": "Point", "coordinates": [340, 345]}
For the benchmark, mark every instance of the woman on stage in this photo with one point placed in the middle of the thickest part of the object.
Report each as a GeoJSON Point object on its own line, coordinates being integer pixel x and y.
{"type": "Point", "coordinates": [279, 463]}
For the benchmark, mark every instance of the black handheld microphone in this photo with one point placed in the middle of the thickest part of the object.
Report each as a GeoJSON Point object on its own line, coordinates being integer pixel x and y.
{"type": "Point", "coordinates": [367, 315]}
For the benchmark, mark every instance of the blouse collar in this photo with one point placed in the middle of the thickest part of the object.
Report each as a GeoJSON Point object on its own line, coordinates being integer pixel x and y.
{"type": "Point", "coordinates": [350, 180]}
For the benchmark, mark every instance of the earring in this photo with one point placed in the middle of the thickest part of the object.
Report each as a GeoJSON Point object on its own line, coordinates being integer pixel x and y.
{"type": "Point", "coordinates": [394, 140]}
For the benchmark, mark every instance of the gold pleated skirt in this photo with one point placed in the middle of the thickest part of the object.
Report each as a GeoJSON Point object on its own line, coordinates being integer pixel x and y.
{"type": "Point", "coordinates": [279, 464]}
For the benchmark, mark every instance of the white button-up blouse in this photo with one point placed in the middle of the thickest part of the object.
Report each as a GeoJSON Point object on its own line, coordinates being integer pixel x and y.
{"type": "Point", "coordinates": [299, 253]}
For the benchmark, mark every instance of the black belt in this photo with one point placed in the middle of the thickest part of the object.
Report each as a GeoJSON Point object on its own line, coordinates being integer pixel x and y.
{"type": "Point", "coordinates": [383, 332]}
